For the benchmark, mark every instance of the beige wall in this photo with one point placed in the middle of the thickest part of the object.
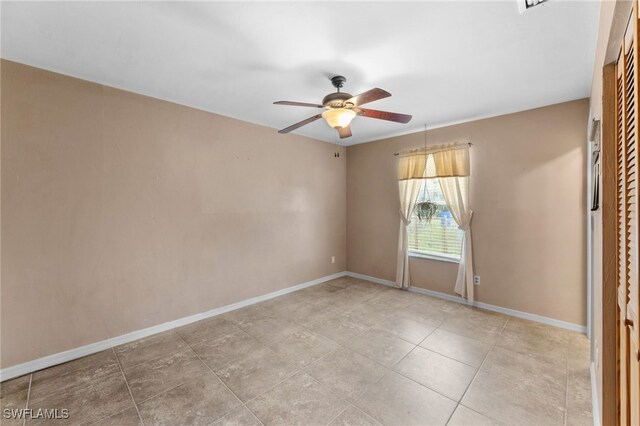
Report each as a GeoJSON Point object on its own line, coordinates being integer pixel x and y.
{"type": "Point", "coordinates": [527, 191]}
{"type": "Point", "coordinates": [121, 212]}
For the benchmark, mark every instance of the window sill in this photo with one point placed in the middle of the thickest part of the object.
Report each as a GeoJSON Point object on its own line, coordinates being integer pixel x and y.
{"type": "Point", "coordinates": [430, 256]}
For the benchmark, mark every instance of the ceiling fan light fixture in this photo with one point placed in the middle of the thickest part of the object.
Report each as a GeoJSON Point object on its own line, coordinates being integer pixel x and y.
{"type": "Point", "coordinates": [338, 117]}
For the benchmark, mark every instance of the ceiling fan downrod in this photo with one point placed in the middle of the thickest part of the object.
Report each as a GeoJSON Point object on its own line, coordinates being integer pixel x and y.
{"type": "Point", "coordinates": [338, 82]}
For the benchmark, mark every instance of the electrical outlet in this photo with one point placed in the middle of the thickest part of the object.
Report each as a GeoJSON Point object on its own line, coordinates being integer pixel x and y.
{"type": "Point", "coordinates": [476, 279]}
{"type": "Point", "coordinates": [333, 259]}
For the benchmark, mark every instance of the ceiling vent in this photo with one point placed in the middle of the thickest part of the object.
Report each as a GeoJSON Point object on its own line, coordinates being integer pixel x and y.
{"type": "Point", "coordinates": [525, 5]}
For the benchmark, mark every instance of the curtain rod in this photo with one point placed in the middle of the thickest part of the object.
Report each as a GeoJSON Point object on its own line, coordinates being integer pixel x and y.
{"type": "Point", "coordinates": [395, 154]}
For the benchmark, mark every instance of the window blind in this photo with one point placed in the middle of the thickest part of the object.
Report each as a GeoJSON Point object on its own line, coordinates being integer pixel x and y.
{"type": "Point", "coordinates": [441, 235]}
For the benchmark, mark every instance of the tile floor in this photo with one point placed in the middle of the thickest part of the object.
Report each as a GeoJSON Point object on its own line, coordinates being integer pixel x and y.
{"type": "Point", "coordinates": [346, 352]}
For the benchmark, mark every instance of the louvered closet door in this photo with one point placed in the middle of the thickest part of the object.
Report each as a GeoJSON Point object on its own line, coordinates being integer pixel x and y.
{"type": "Point", "coordinates": [628, 331]}
{"type": "Point", "coordinates": [631, 131]}
{"type": "Point", "coordinates": [622, 337]}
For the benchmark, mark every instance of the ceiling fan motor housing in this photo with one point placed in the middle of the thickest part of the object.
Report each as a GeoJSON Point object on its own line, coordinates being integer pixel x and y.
{"type": "Point", "coordinates": [335, 100]}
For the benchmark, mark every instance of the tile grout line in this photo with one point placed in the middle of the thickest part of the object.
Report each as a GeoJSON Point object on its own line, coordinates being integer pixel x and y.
{"type": "Point", "coordinates": [340, 347]}
{"type": "Point", "coordinates": [423, 385]}
{"type": "Point", "coordinates": [373, 327]}
{"type": "Point", "coordinates": [187, 348]}
{"type": "Point", "coordinates": [265, 345]}
{"type": "Point", "coordinates": [317, 360]}
{"type": "Point", "coordinates": [278, 340]}
{"type": "Point", "coordinates": [364, 356]}
{"type": "Point", "coordinates": [205, 341]}
{"type": "Point", "coordinates": [165, 391]}
{"type": "Point", "coordinates": [315, 333]}
{"type": "Point", "coordinates": [308, 327]}
{"type": "Point", "coordinates": [426, 387]}
{"type": "Point", "coordinates": [478, 371]}
{"type": "Point", "coordinates": [344, 346]}
{"type": "Point", "coordinates": [351, 402]}
{"type": "Point", "coordinates": [108, 417]}
{"type": "Point", "coordinates": [341, 344]}
{"type": "Point", "coordinates": [128, 387]}
{"type": "Point", "coordinates": [447, 356]}
{"type": "Point", "coordinates": [26, 407]}
{"type": "Point", "coordinates": [149, 361]}
{"type": "Point", "coordinates": [173, 387]}
{"type": "Point", "coordinates": [333, 392]}
{"type": "Point", "coordinates": [477, 412]}
{"type": "Point", "coordinates": [368, 327]}
{"type": "Point", "coordinates": [364, 393]}
{"type": "Point", "coordinates": [403, 358]}
{"type": "Point", "coordinates": [222, 381]}
{"type": "Point", "coordinates": [301, 369]}
{"type": "Point", "coordinates": [340, 413]}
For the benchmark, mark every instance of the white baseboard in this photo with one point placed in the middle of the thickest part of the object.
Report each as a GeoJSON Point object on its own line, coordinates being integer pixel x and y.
{"type": "Point", "coordinates": [594, 397]}
{"type": "Point", "coordinates": [372, 279]}
{"type": "Point", "coordinates": [59, 358]}
{"type": "Point", "coordinates": [488, 307]}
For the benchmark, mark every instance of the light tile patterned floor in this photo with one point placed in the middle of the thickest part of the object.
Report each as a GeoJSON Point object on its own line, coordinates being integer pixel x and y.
{"type": "Point", "coordinates": [346, 352]}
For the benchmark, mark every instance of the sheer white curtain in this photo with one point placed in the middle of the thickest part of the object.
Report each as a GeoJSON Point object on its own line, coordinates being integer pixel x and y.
{"type": "Point", "coordinates": [410, 174]}
{"type": "Point", "coordinates": [452, 168]}
{"type": "Point", "coordinates": [456, 194]}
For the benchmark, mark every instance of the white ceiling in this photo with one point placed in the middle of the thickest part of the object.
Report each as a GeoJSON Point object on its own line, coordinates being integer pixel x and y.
{"type": "Point", "coordinates": [443, 62]}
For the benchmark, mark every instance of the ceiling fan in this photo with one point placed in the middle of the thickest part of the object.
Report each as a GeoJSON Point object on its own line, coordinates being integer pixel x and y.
{"type": "Point", "coordinates": [340, 108]}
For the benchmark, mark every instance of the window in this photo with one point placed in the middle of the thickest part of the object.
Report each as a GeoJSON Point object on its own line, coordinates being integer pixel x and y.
{"type": "Point", "coordinates": [439, 237]}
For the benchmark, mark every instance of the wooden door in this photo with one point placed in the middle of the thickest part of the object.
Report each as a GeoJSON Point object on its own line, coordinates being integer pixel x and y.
{"type": "Point", "coordinates": [628, 323]}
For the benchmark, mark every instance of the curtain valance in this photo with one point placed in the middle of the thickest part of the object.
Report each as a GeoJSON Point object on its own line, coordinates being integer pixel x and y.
{"type": "Point", "coordinates": [435, 162]}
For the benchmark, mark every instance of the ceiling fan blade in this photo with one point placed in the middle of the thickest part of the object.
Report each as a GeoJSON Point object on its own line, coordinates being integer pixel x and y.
{"type": "Point", "coordinates": [344, 132]}
{"type": "Point", "coordinates": [385, 115]}
{"type": "Point", "coordinates": [304, 104]}
{"type": "Point", "coordinates": [300, 124]}
{"type": "Point", "coordinates": [368, 96]}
